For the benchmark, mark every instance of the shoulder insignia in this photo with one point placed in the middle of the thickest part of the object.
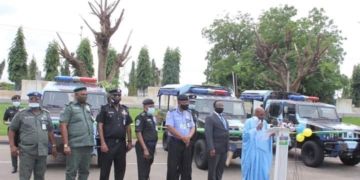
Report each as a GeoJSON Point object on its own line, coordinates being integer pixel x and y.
{"type": "Point", "coordinates": [189, 111]}
{"type": "Point", "coordinates": [124, 106]}
{"type": "Point", "coordinates": [23, 109]}
{"type": "Point", "coordinates": [8, 107]}
{"type": "Point", "coordinates": [104, 104]}
{"type": "Point", "coordinates": [137, 122]}
{"type": "Point", "coordinates": [143, 114]}
{"type": "Point", "coordinates": [89, 104]}
{"type": "Point", "coordinates": [46, 110]}
{"type": "Point", "coordinates": [68, 103]}
{"type": "Point", "coordinates": [173, 109]}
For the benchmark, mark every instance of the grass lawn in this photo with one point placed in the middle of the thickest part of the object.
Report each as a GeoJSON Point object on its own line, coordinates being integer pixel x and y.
{"type": "Point", "coordinates": [350, 120]}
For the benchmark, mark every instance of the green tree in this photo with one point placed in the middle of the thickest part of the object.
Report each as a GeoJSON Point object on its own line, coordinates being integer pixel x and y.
{"type": "Point", "coordinates": [2, 66]}
{"type": "Point", "coordinates": [355, 86]}
{"type": "Point", "coordinates": [33, 69]}
{"type": "Point", "coordinates": [347, 91]}
{"type": "Point", "coordinates": [52, 61]}
{"type": "Point", "coordinates": [142, 70]}
{"type": "Point", "coordinates": [154, 75]}
{"type": "Point", "coordinates": [171, 67]}
{"type": "Point", "coordinates": [131, 85]}
{"type": "Point", "coordinates": [65, 68]}
{"type": "Point", "coordinates": [17, 60]}
{"type": "Point", "coordinates": [110, 63]}
{"type": "Point", "coordinates": [84, 54]}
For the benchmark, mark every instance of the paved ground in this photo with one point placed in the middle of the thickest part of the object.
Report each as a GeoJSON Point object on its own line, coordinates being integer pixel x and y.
{"type": "Point", "coordinates": [331, 169]}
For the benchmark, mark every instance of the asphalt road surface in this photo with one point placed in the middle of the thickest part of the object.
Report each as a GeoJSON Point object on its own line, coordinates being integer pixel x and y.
{"type": "Point", "coordinates": [332, 168]}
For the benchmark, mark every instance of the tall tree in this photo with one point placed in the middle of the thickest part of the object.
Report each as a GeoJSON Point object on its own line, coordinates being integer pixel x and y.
{"type": "Point", "coordinates": [33, 69]}
{"type": "Point", "coordinates": [65, 68]}
{"type": "Point", "coordinates": [52, 61]}
{"type": "Point", "coordinates": [2, 67]}
{"type": "Point", "coordinates": [171, 67]}
{"type": "Point", "coordinates": [17, 60]}
{"type": "Point", "coordinates": [154, 75]}
{"type": "Point", "coordinates": [355, 87]}
{"type": "Point", "coordinates": [111, 60]}
{"type": "Point", "coordinates": [84, 54]}
{"type": "Point", "coordinates": [132, 89]}
{"type": "Point", "coordinates": [347, 91]}
{"type": "Point", "coordinates": [142, 70]}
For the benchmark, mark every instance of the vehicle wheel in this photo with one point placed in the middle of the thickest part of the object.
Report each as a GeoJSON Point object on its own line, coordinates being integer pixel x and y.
{"type": "Point", "coordinates": [200, 154]}
{"type": "Point", "coordinates": [98, 157]}
{"type": "Point", "coordinates": [165, 141]}
{"type": "Point", "coordinates": [312, 154]}
{"type": "Point", "coordinates": [350, 161]}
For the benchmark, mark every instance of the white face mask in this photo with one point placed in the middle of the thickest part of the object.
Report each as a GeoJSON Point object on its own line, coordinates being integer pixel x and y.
{"type": "Point", "coordinates": [16, 104]}
{"type": "Point", "coordinates": [34, 105]}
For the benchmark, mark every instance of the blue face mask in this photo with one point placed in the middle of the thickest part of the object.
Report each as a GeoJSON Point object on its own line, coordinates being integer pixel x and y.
{"type": "Point", "coordinates": [151, 111]}
{"type": "Point", "coordinates": [191, 106]}
{"type": "Point", "coordinates": [16, 104]}
{"type": "Point", "coordinates": [34, 105]}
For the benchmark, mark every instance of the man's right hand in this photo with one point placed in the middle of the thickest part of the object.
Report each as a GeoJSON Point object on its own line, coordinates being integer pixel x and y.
{"type": "Point", "coordinates": [146, 154]}
{"type": "Point", "coordinates": [104, 148]}
{"type": "Point", "coordinates": [67, 150]}
{"type": "Point", "coordinates": [212, 153]}
{"type": "Point", "coordinates": [260, 126]}
{"type": "Point", "coordinates": [14, 151]}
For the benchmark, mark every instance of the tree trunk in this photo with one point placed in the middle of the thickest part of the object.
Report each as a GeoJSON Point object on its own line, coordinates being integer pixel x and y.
{"type": "Point", "coordinates": [102, 55]}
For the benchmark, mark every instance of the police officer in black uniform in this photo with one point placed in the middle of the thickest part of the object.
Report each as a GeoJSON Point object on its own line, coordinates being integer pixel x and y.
{"type": "Point", "coordinates": [114, 126]}
{"type": "Point", "coordinates": [146, 133]}
{"type": "Point", "coordinates": [8, 115]}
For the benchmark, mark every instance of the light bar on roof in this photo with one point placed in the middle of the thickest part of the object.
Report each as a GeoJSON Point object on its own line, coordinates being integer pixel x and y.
{"type": "Point", "coordinates": [75, 79]}
{"type": "Point", "coordinates": [209, 91]}
{"type": "Point", "coordinates": [252, 97]}
{"type": "Point", "coordinates": [303, 98]}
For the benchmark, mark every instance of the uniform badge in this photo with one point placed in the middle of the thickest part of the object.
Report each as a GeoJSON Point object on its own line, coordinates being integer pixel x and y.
{"type": "Point", "coordinates": [87, 108]}
{"type": "Point", "coordinates": [62, 110]}
{"type": "Point", "coordinates": [124, 113]}
{"type": "Point", "coordinates": [137, 122]}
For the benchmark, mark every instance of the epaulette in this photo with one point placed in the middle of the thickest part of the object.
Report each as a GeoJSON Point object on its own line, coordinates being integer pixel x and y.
{"type": "Point", "coordinates": [143, 114]}
{"type": "Point", "coordinates": [46, 110]}
{"type": "Point", "coordinates": [89, 104]}
{"type": "Point", "coordinates": [104, 104]}
{"type": "Point", "coordinates": [23, 109]}
{"type": "Point", "coordinates": [124, 106]}
{"type": "Point", "coordinates": [173, 109]}
{"type": "Point", "coordinates": [68, 103]}
{"type": "Point", "coordinates": [8, 107]}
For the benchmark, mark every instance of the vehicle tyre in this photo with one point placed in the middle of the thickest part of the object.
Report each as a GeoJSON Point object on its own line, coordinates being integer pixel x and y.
{"type": "Point", "coordinates": [165, 141]}
{"type": "Point", "coordinates": [312, 154]}
{"type": "Point", "coordinates": [349, 161]}
{"type": "Point", "coordinates": [200, 154]}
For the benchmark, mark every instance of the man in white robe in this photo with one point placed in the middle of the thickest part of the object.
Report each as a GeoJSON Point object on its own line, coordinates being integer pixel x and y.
{"type": "Point", "coordinates": [256, 157]}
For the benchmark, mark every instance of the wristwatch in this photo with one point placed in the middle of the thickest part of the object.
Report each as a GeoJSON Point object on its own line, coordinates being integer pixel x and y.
{"type": "Point", "coordinates": [54, 145]}
{"type": "Point", "coordinates": [65, 145]}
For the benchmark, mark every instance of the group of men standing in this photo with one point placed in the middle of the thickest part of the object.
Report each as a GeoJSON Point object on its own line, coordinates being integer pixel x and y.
{"type": "Point", "coordinates": [31, 130]}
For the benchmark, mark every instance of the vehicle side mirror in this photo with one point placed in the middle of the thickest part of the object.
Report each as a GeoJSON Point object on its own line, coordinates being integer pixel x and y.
{"type": "Point", "coordinates": [248, 115]}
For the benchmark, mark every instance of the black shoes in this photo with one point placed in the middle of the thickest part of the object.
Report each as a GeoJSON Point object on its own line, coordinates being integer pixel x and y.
{"type": "Point", "coordinates": [14, 170]}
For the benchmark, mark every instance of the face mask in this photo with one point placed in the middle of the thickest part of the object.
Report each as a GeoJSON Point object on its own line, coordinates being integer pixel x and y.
{"type": "Point", "coordinates": [16, 104]}
{"type": "Point", "coordinates": [34, 105]}
{"type": "Point", "coordinates": [81, 99]}
{"type": "Point", "coordinates": [151, 111]}
{"type": "Point", "coordinates": [184, 106]}
{"type": "Point", "coordinates": [115, 101]}
{"type": "Point", "coordinates": [219, 110]}
{"type": "Point", "coordinates": [191, 106]}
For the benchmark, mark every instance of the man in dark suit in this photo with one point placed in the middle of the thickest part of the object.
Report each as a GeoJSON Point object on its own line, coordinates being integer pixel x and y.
{"type": "Point", "coordinates": [217, 141]}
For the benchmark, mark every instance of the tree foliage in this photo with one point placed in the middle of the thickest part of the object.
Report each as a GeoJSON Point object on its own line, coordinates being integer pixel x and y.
{"type": "Point", "coordinates": [143, 70]}
{"type": "Point", "coordinates": [154, 75]}
{"type": "Point", "coordinates": [132, 88]}
{"type": "Point", "coordinates": [264, 50]}
{"type": "Point", "coordinates": [355, 86]}
{"type": "Point", "coordinates": [17, 60]}
{"type": "Point", "coordinates": [171, 67]}
{"type": "Point", "coordinates": [65, 68]}
{"type": "Point", "coordinates": [110, 63]}
{"type": "Point", "coordinates": [33, 69]}
{"type": "Point", "coordinates": [2, 67]}
{"type": "Point", "coordinates": [84, 54]}
{"type": "Point", "coordinates": [52, 61]}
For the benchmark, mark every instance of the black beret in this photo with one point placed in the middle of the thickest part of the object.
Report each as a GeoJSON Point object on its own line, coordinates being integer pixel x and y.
{"type": "Point", "coordinates": [34, 93]}
{"type": "Point", "coordinates": [183, 97]}
{"type": "Point", "coordinates": [148, 101]}
{"type": "Point", "coordinates": [115, 91]}
{"type": "Point", "coordinates": [15, 97]}
{"type": "Point", "coordinates": [192, 97]}
{"type": "Point", "coordinates": [80, 88]}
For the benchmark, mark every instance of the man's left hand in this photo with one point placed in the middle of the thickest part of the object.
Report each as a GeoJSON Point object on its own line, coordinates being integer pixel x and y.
{"type": "Point", "coordinates": [54, 152]}
{"type": "Point", "coordinates": [129, 146]}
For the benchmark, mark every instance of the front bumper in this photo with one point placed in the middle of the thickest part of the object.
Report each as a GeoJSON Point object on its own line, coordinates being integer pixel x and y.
{"type": "Point", "coordinates": [343, 148]}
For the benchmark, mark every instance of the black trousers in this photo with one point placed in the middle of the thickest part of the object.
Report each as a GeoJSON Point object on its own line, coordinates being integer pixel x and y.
{"type": "Point", "coordinates": [216, 166]}
{"type": "Point", "coordinates": [179, 160]}
{"type": "Point", "coordinates": [14, 159]}
{"type": "Point", "coordinates": [144, 165]}
{"type": "Point", "coordinates": [117, 154]}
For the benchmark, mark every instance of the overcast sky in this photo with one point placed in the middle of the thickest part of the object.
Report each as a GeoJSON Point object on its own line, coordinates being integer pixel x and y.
{"type": "Point", "coordinates": [156, 24]}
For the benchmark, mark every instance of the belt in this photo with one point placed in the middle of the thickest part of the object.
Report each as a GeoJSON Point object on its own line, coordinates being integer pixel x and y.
{"type": "Point", "coordinates": [175, 139]}
{"type": "Point", "coordinates": [150, 143]}
{"type": "Point", "coordinates": [115, 139]}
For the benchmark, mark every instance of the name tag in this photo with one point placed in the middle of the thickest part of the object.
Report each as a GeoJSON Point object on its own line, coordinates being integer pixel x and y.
{"type": "Point", "coordinates": [182, 126]}
{"type": "Point", "coordinates": [43, 125]}
{"type": "Point", "coordinates": [188, 125]}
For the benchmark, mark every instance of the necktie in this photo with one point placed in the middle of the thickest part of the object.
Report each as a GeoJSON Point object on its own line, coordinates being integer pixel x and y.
{"type": "Point", "coordinates": [223, 121]}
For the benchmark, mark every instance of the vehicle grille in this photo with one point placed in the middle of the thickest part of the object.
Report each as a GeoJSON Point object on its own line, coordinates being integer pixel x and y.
{"type": "Point", "coordinates": [349, 136]}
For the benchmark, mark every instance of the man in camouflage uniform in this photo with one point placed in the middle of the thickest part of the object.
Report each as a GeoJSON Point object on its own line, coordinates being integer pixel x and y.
{"type": "Point", "coordinates": [77, 130]}
{"type": "Point", "coordinates": [35, 127]}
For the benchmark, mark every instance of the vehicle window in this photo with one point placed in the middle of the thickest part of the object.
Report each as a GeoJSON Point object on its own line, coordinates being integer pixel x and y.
{"type": "Point", "coordinates": [232, 107]}
{"type": "Point", "coordinates": [308, 111]}
{"type": "Point", "coordinates": [274, 110]}
{"type": "Point", "coordinates": [327, 112]}
{"type": "Point", "coordinates": [59, 99]}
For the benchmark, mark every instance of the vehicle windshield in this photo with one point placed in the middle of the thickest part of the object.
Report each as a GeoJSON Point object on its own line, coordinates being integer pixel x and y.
{"type": "Point", "coordinates": [317, 112]}
{"type": "Point", "coordinates": [232, 107]}
{"type": "Point", "coordinates": [59, 99]}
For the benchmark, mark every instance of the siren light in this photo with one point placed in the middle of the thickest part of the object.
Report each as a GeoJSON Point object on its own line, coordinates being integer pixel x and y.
{"type": "Point", "coordinates": [209, 91]}
{"type": "Point", "coordinates": [303, 98]}
{"type": "Point", "coordinates": [252, 97]}
{"type": "Point", "coordinates": [75, 79]}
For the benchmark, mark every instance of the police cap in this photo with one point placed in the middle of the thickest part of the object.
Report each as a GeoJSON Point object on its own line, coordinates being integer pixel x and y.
{"type": "Point", "coordinates": [115, 91]}
{"type": "Point", "coordinates": [192, 97]}
{"type": "Point", "coordinates": [182, 98]}
{"type": "Point", "coordinates": [148, 101]}
{"type": "Point", "coordinates": [80, 88]}
{"type": "Point", "coordinates": [34, 93]}
{"type": "Point", "coordinates": [15, 97]}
